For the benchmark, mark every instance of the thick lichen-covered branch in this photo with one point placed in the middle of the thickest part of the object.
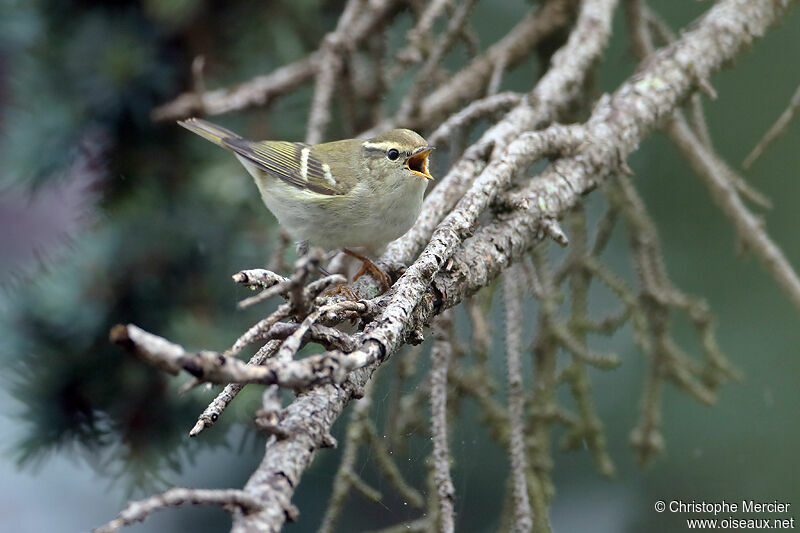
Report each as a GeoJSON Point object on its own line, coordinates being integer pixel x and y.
{"type": "Point", "coordinates": [618, 123]}
{"type": "Point", "coordinates": [549, 98]}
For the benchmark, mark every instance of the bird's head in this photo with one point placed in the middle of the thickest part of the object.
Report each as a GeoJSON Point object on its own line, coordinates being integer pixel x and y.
{"type": "Point", "coordinates": [399, 153]}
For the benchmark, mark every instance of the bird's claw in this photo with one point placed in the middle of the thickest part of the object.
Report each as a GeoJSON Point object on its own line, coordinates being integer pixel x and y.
{"type": "Point", "coordinates": [367, 266]}
{"type": "Point", "coordinates": [376, 272]}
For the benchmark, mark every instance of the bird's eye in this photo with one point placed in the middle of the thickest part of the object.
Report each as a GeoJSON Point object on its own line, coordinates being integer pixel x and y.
{"type": "Point", "coordinates": [392, 154]}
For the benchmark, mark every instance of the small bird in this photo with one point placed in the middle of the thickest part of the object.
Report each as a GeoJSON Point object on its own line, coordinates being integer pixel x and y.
{"type": "Point", "coordinates": [349, 194]}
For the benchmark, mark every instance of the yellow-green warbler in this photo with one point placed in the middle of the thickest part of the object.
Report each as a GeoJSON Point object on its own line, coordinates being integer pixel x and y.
{"type": "Point", "coordinates": [344, 194]}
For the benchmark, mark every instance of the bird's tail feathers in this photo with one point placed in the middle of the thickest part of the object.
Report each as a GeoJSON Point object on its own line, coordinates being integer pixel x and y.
{"type": "Point", "coordinates": [216, 134]}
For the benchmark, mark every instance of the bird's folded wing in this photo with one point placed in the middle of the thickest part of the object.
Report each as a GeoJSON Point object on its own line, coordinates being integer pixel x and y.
{"type": "Point", "coordinates": [294, 163]}
{"type": "Point", "coordinates": [291, 162]}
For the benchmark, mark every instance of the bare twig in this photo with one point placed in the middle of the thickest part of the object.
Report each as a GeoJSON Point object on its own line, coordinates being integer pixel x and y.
{"type": "Point", "coordinates": [277, 261]}
{"type": "Point", "coordinates": [440, 361]}
{"type": "Point", "coordinates": [308, 421]}
{"type": "Point", "coordinates": [471, 81]}
{"type": "Point", "coordinates": [345, 475]}
{"type": "Point", "coordinates": [777, 129]}
{"type": "Point", "coordinates": [513, 289]}
{"type": "Point", "coordinates": [138, 511]}
{"type": "Point", "coordinates": [211, 413]}
{"type": "Point", "coordinates": [218, 368]}
{"type": "Point", "coordinates": [589, 429]}
{"type": "Point", "coordinates": [259, 91]}
{"type": "Point", "coordinates": [329, 67]}
{"type": "Point", "coordinates": [718, 177]}
{"type": "Point", "coordinates": [652, 317]}
{"type": "Point", "coordinates": [644, 23]}
{"type": "Point", "coordinates": [420, 35]}
{"type": "Point", "coordinates": [474, 111]}
{"type": "Point", "coordinates": [263, 89]}
{"type": "Point", "coordinates": [389, 469]}
{"type": "Point", "coordinates": [411, 100]}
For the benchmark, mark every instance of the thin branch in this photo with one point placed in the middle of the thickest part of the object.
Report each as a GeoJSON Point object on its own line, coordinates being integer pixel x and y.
{"type": "Point", "coordinates": [214, 367]}
{"type": "Point", "coordinates": [589, 431]}
{"type": "Point", "coordinates": [277, 261]}
{"type": "Point", "coordinates": [139, 510]}
{"type": "Point", "coordinates": [651, 319]}
{"type": "Point", "coordinates": [643, 23]}
{"type": "Point", "coordinates": [307, 421]}
{"type": "Point", "coordinates": [329, 68]}
{"type": "Point", "coordinates": [497, 76]}
{"type": "Point", "coordinates": [411, 101]}
{"type": "Point", "coordinates": [343, 480]}
{"type": "Point", "coordinates": [261, 90]}
{"type": "Point", "coordinates": [390, 470]}
{"type": "Point", "coordinates": [211, 414]}
{"type": "Point", "coordinates": [440, 361]}
{"type": "Point", "coordinates": [513, 290]}
{"type": "Point", "coordinates": [717, 176]}
{"type": "Point", "coordinates": [777, 129]}
{"type": "Point", "coordinates": [419, 36]}
{"type": "Point", "coordinates": [474, 111]}
{"type": "Point", "coordinates": [513, 48]}
{"type": "Point", "coordinates": [544, 406]}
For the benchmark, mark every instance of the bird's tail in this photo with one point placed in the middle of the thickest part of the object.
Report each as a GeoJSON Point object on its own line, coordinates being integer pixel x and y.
{"type": "Point", "coordinates": [216, 134]}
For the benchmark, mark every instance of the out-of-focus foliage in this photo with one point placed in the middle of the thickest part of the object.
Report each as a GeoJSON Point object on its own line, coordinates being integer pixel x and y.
{"type": "Point", "coordinates": [148, 233]}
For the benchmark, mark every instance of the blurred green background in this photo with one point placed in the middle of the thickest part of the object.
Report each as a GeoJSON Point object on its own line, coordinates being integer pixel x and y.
{"type": "Point", "coordinates": [106, 217]}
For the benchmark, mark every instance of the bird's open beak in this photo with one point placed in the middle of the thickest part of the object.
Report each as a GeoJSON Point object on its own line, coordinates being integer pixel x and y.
{"type": "Point", "coordinates": [418, 162]}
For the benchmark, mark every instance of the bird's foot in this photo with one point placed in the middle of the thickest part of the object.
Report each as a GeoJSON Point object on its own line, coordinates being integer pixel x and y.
{"type": "Point", "coordinates": [367, 266]}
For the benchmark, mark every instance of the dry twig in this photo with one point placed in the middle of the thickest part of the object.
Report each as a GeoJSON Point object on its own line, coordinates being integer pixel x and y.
{"type": "Point", "coordinates": [440, 361]}
{"type": "Point", "coordinates": [513, 289]}
{"type": "Point", "coordinates": [777, 129]}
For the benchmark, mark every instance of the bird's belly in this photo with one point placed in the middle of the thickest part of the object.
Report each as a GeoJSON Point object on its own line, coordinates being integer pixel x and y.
{"type": "Point", "coordinates": [361, 221]}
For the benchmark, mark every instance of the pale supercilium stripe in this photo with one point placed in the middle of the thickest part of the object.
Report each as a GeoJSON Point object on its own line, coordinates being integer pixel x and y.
{"type": "Point", "coordinates": [379, 145]}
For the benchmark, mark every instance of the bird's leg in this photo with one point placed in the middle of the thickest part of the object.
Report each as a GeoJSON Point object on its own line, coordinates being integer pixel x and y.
{"type": "Point", "coordinates": [368, 266]}
{"type": "Point", "coordinates": [341, 288]}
